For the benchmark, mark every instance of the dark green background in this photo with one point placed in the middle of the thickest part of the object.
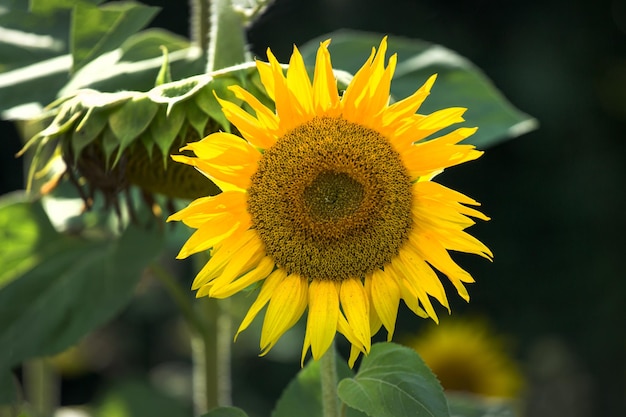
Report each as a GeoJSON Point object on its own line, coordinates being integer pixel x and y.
{"type": "Point", "coordinates": [557, 286]}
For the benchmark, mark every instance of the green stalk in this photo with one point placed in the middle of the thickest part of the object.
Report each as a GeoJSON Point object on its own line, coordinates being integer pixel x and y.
{"type": "Point", "coordinates": [329, 380]}
{"type": "Point", "coordinates": [41, 386]}
{"type": "Point", "coordinates": [199, 23]}
{"type": "Point", "coordinates": [227, 36]}
{"type": "Point", "coordinates": [204, 358]}
{"type": "Point", "coordinates": [210, 342]}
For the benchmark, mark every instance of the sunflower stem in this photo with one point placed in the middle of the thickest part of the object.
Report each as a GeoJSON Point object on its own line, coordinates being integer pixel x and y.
{"type": "Point", "coordinates": [227, 36]}
{"type": "Point", "coordinates": [329, 380]}
{"type": "Point", "coordinates": [204, 358]}
{"type": "Point", "coordinates": [210, 344]}
{"type": "Point", "coordinates": [180, 297]}
{"type": "Point", "coordinates": [199, 23]}
{"type": "Point", "coordinates": [41, 386]}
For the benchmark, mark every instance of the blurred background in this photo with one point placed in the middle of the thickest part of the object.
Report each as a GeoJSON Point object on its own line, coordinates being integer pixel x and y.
{"type": "Point", "coordinates": [555, 295]}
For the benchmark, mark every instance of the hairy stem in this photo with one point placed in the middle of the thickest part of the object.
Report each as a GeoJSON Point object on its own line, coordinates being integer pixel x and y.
{"type": "Point", "coordinates": [328, 376]}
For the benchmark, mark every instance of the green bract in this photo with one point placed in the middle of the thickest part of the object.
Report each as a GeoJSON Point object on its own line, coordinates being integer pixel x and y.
{"type": "Point", "coordinates": [117, 140]}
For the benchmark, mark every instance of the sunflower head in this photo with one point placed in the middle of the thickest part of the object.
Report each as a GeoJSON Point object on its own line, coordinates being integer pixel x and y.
{"type": "Point", "coordinates": [328, 199]}
{"type": "Point", "coordinates": [110, 142]}
{"type": "Point", "coordinates": [467, 356]}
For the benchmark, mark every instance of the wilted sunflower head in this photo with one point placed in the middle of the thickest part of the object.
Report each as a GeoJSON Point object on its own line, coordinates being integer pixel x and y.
{"type": "Point", "coordinates": [111, 142]}
{"type": "Point", "coordinates": [329, 200]}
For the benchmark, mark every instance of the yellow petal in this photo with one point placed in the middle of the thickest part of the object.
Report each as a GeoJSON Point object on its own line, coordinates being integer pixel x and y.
{"type": "Point", "coordinates": [321, 324]}
{"type": "Point", "coordinates": [408, 106]}
{"type": "Point", "coordinates": [267, 76]}
{"type": "Point", "coordinates": [409, 282]}
{"type": "Point", "coordinates": [221, 256]}
{"type": "Point", "coordinates": [224, 157]}
{"type": "Point", "coordinates": [433, 252]}
{"type": "Point", "coordinates": [299, 83]}
{"type": "Point", "coordinates": [325, 92]}
{"type": "Point", "coordinates": [437, 154]}
{"type": "Point", "coordinates": [249, 126]}
{"type": "Point", "coordinates": [287, 304]}
{"type": "Point", "coordinates": [385, 299]}
{"type": "Point", "coordinates": [355, 306]}
{"type": "Point", "coordinates": [262, 270]}
{"type": "Point", "coordinates": [344, 328]}
{"type": "Point", "coordinates": [206, 208]}
{"type": "Point", "coordinates": [267, 290]}
{"type": "Point", "coordinates": [248, 257]}
{"type": "Point", "coordinates": [210, 234]}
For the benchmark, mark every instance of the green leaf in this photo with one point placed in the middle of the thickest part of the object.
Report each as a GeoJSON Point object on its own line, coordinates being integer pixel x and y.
{"type": "Point", "coordinates": [165, 74]}
{"type": "Point", "coordinates": [88, 129]}
{"type": "Point", "coordinates": [303, 395]}
{"type": "Point", "coordinates": [196, 117]}
{"type": "Point", "coordinates": [96, 30]}
{"type": "Point", "coordinates": [132, 118]}
{"type": "Point", "coordinates": [109, 73]}
{"type": "Point", "coordinates": [147, 44]}
{"type": "Point", "coordinates": [8, 388]}
{"type": "Point", "coordinates": [226, 412]}
{"type": "Point", "coordinates": [48, 6]}
{"type": "Point", "coordinates": [24, 235]}
{"type": "Point", "coordinates": [165, 128]}
{"type": "Point", "coordinates": [71, 286]}
{"type": "Point", "coordinates": [393, 381]}
{"type": "Point", "coordinates": [459, 82]}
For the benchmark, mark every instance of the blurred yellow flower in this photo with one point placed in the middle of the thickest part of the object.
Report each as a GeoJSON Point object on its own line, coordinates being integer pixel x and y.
{"type": "Point", "coordinates": [467, 356]}
{"type": "Point", "coordinates": [329, 200]}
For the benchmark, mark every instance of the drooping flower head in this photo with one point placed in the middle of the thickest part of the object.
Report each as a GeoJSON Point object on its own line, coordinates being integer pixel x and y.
{"type": "Point", "coordinates": [328, 200]}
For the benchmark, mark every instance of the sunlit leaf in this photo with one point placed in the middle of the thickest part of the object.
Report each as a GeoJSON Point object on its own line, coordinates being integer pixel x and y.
{"type": "Point", "coordinates": [393, 381]}
{"type": "Point", "coordinates": [459, 82]}
{"type": "Point", "coordinates": [68, 286]}
{"type": "Point", "coordinates": [24, 235]}
{"type": "Point", "coordinates": [96, 30]}
{"type": "Point", "coordinates": [47, 6]}
{"type": "Point", "coordinates": [147, 44]}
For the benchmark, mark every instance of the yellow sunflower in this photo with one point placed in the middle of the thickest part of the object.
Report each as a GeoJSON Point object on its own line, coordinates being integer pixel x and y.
{"type": "Point", "coordinates": [328, 200]}
{"type": "Point", "coordinates": [468, 357]}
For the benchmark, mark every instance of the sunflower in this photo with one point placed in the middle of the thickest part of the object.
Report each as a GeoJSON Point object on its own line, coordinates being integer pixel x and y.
{"type": "Point", "coordinates": [328, 200]}
{"type": "Point", "coordinates": [467, 356]}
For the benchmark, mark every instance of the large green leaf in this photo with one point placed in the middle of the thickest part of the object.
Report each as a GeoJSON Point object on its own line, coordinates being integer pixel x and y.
{"type": "Point", "coordinates": [393, 381]}
{"type": "Point", "coordinates": [33, 58]}
{"type": "Point", "coordinates": [459, 82]}
{"type": "Point", "coordinates": [72, 285]}
{"type": "Point", "coordinates": [303, 395]}
{"type": "Point", "coordinates": [99, 29]}
{"type": "Point", "coordinates": [47, 6]}
{"type": "Point", "coordinates": [8, 388]}
{"type": "Point", "coordinates": [24, 235]}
